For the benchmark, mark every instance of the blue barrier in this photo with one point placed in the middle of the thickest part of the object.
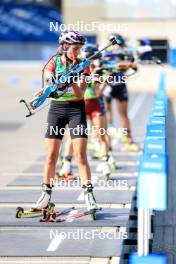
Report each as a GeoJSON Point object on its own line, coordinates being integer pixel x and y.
{"type": "Point", "coordinates": [157, 120]}
{"type": "Point", "coordinates": [153, 146]}
{"type": "Point", "coordinates": [172, 57]}
{"type": "Point", "coordinates": [150, 259]}
{"type": "Point", "coordinates": [160, 102]}
{"type": "Point", "coordinates": [161, 85]}
{"type": "Point", "coordinates": [150, 184]}
{"type": "Point", "coordinates": [158, 112]}
{"type": "Point", "coordinates": [156, 131]}
{"type": "Point", "coordinates": [152, 176]}
{"type": "Point", "coordinates": [152, 171]}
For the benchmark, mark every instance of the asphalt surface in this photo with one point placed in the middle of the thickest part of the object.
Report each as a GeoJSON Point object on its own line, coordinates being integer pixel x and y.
{"type": "Point", "coordinates": [29, 241]}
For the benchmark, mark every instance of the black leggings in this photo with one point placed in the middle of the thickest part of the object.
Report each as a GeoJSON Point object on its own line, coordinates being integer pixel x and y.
{"type": "Point", "coordinates": [71, 113]}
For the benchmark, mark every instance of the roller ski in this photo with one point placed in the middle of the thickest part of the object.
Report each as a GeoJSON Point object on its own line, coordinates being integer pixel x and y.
{"type": "Point", "coordinates": [34, 212]}
{"type": "Point", "coordinates": [78, 214]}
{"type": "Point", "coordinates": [51, 216]}
{"type": "Point", "coordinates": [43, 203]}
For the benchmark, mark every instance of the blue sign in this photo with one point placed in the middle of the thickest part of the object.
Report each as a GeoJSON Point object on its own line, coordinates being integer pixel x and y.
{"type": "Point", "coordinates": [157, 120]}
{"type": "Point", "coordinates": [158, 112]}
{"type": "Point", "coordinates": [152, 191]}
{"type": "Point", "coordinates": [160, 102]}
{"type": "Point", "coordinates": [150, 259]}
{"type": "Point", "coordinates": [152, 183]}
{"type": "Point", "coordinates": [148, 164]}
{"type": "Point", "coordinates": [156, 131]}
{"type": "Point", "coordinates": [158, 107]}
{"type": "Point", "coordinates": [155, 146]}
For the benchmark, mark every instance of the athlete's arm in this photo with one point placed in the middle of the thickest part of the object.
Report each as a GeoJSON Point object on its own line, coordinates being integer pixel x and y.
{"type": "Point", "coordinates": [125, 65]}
{"type": "Point", "coordinates": [79, 88]}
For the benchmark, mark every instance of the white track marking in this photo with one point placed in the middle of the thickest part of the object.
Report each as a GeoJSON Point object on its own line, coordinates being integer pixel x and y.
{"type": "Point", "coordinates": [57, 240]}
{"type": "Point", "coordinates": [81, 197]}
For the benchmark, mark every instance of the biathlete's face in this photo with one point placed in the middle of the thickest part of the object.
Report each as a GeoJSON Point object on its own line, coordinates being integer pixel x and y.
{"type": "Point", "coordinates": [74, 50]}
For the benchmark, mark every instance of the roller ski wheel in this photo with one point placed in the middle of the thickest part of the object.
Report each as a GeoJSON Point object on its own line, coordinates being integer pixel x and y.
{"type": "Point", "coordinates": [51, 216]}
{"type": "Point", "coordinates": [93, 214]}
{"type": "Point", "coordinates": [48, 213]}
{"type": "Point", "coordinates": [19, 212]}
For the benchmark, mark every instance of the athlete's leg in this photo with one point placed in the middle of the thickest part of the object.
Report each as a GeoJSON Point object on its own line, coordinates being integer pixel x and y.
{"type": "Point", "coordinates": [99, 123]}
{"type": "Point", "coordinates": [68, 147]}
{"type": "Point", "coordinates": [52, 147]}
{"type": "Point", "coordinates": [108, 107]}
{"type": "Point", "coordinates": [53, 139]}
{"type": "Point", "coordinates": [52, 151]}
{"type": "Point", "coordinates": [66, 170]}
{"type": "Point", "coordinates": [122, 108]}
{"type": "Point", "coordinates": [79, 148]}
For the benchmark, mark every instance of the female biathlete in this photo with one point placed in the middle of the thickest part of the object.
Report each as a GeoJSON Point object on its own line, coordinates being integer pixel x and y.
{"type": "Point", "coordinates": [96, 113]}
{"type": "Point", "coordinates": [119, 92]}
{"type": "Point", "coordinates": [66, 109]}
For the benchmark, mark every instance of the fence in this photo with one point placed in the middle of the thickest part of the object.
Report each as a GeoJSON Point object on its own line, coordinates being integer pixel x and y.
{"type": "Point", "coordinates": [152, 177]}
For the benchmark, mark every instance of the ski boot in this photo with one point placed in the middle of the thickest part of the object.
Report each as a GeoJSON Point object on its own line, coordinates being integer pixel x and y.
{"type": "Point", "coordinates": [41, 205]}
{"type": "Point", "coordinates": [130, 145]}
{"type": "Point", "coordinates": [96, 151]}
{"type": "Point", "coordinates": [66, 171]}
{"type": "Point", "coordinates": [90, 201]}
{"type": "Point", "coordinates": [44, 200]}
{"type": "Point", "coordinates": [104, 167]}
{"type": "Point", "coordinates": [111, 162]}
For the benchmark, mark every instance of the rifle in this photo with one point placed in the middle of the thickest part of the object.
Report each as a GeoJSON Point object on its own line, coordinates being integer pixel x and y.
{"type": "Point", "coordinates": [43, 94]}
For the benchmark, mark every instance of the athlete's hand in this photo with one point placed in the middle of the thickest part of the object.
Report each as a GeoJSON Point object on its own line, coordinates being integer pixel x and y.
{"type": "Point", "coordinates": [134, 66]}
